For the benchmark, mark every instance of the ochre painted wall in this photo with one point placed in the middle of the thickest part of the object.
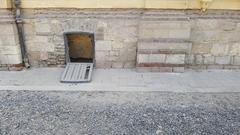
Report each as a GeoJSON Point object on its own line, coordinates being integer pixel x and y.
{"type": "Point", "coordinates": [5, 3]}
{"type": "Point", "coordinates": [160, 4]}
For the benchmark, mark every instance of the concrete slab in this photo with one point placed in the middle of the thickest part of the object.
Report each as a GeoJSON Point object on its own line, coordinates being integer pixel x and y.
{"type": "Point", "coordinates": [48, 79]}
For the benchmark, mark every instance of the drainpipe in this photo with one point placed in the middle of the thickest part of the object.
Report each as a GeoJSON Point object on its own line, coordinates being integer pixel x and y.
{"type": "Point", "coordinates": [19, 23]}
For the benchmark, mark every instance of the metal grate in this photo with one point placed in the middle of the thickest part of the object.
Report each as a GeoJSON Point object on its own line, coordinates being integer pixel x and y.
{"type": "Point", "coordinates": [77, 72]}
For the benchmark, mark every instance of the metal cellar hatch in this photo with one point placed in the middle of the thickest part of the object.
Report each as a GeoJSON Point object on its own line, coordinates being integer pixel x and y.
{"type": "Point", "coordinates": [79, 57]}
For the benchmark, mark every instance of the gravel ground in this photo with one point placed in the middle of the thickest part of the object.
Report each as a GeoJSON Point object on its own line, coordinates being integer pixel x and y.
{"type": "Point", "coordinates": [119, 113]}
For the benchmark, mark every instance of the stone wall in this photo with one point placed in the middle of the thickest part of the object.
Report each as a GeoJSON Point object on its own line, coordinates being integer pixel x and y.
{"type": "Point", "coordinates": [115, 35]}
{"type": "Point", "coordinates": [164, 41]}
{"type": "Point", "coordinates": [151, 40]}
{"type": "Point", "coordinates": [175, 40]}
{"type": "Point", "coordinates": [216, 42]}
{"type": "Point", "coordinates": [10, 55]}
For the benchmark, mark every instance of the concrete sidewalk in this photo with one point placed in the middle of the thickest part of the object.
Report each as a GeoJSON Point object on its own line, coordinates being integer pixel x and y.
{"type": "Point", "coordinates": [48, 79]}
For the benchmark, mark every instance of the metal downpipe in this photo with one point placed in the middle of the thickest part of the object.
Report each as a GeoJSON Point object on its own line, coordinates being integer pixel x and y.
{"type": "Point", "coordinates": [19, 24]}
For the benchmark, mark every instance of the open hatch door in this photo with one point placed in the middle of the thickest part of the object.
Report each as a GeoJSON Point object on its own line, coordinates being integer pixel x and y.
{"type": "Point", "coordinates": [79, 57]}
{"type": "Point", "coordinates": [77, 72]}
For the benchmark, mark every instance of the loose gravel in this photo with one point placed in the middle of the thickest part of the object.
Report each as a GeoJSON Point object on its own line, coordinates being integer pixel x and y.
{"type": "Point", "coordinates": [119, 113]}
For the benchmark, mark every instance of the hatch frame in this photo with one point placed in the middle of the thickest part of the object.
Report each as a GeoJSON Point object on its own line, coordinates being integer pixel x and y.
{"type": "Point", "coordinates": [67, 57]}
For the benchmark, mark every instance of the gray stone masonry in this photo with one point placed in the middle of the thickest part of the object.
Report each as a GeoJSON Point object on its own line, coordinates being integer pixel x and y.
{"type": "Point", "coordinates": [151, 40]}
{"type": "Point", "coordinates": [10, 54]}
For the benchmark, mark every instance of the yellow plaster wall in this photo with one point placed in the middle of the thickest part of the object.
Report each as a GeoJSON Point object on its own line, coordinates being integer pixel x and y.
{"type": "Point", "coordinates": [159, 4]}
{"type": "Point", "coordinates": [225, 4]}
{"type": "Point", "coordinates": [5, 3]}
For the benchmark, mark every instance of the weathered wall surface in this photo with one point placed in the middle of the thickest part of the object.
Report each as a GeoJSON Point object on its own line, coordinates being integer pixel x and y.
{"type": "Point", "coordinates": [10, 54]}
{"type": "Point", "coordinates": [174, 40]}
{"type": "Point", "coordinates": [164, 40]}
{"type": "Point", "coordinates": [216, 42]}
{"type": "Point", "coordinates": [115, 35]}
{"type": "Point", "coordinates": [152, 40]}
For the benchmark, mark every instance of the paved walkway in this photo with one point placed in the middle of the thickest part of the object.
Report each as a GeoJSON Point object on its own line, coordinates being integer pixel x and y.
{"type": "Point", "coordinates": [47, 79]}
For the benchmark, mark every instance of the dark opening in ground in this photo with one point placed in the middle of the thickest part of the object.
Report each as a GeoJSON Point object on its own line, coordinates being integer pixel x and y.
{"type": "Point", "coordinates": [80, 47]}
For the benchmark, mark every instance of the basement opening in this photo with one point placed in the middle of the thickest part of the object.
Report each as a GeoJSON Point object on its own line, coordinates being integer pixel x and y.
{"type": "Point", "coordinates": [79, 47]}
{"type": "Point", "coordinates": [80, 54]}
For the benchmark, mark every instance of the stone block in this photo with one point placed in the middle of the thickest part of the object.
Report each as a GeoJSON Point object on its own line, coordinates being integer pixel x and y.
{"type": "Point", "coordinates": [57, 27]}
{"type": "Point", "coordinates": [228, 25]}
{"type": "Point", "coordinates": [7, 40]}
{"type": "Point", "coordinates": [117, 65]}
{"type": "Point", "coordinates": [231, 67]}
{"type": "Point", "coordinates": [101, 55]}
{"type": "Point", "coordinates": [10, 50]}
{"type": "Point", "coordinates": [120, 32]}
{"type": "Point", "coordinates": [165, 69]}
{"type": "Point", "coordinates": [201, 48]}
{"type": "Point", "coordinates": [223, 60]}
{"type": "Point", "coordinates": [143, 58]}
{"type": "Point", "coordinates": [199, 59]}
{"type": "Point", "coordinates": [238, 26]}
{"type": "Point", "coordinates": [101, 24]}
{"type": "Point", "coordinates": [179, 33]}
{"type": "Point", "coordinates": [114, 53]}
{"type": "Point", "coordinates": [220, 49]}
{"type": "Point", "coordinates": [215, 67]}
{"type": "Point", "coordinates": [229, 36]}
{"type": "Point", "coordinates": [143, 69]}
{"type": "Point", "coordinates": [178, 47]}
{"type": "Point", "coordinates": [41, 39]}
{"type": "Point", "coordinates": [165, 29]}
{"type": "Point", "coordinates": [1, 42]}
{"type": "Point", "coordinates": [190, 59]}
{"type": "Point", "coordinates": [43, 55]}
{"type": "Point", "coordinates": [57, 39]}
{"type": "Point", "coordinates": [14, 59]}
{"type": "Point", "coordinates": [175, 59]}
{"type": "Point", "coordinates": [130, 64]}
{"type": "Point", "coordinates": [206, 24]}
{"type": "Point", "coordinates": [156, 33]}
{"type": "Point", "coordinates": [42, 28]}
{"type": "Point", "coordinates": [103, 64]}
{"type": "Point", "coordinates": [198, 36]}
{"type": "Point", "coordinates": [208, 59]}
{"type": "Point", "coordinates": [236, 60]}
{"type": "Point", "coordinates": [99, 34]}
{"type": "Point", "coordinates": [178, 69]}
{"type": "Point", "coordinates": [29, 29]}
{"type": "Point", "coordinates": [3, 59]}
{"type": "Point", "coordinates": [123, 54]}
{"type": "Point", "coordinates": [197, 67]}
{"type": "Point", "coordinates": [42, 47]}
{"type": "Point", "coordinates": [157, 58]}
{"type": "Point", "coordinates": [34, 57]}
{"type": "Point", "coordinates": [235, 49]}
{"type": "Point", "coordinates": [113, 58]}
{"type": "Point", "coordinates": [8, 29]}
{"type": "Point", "coordinates": [165, 24]}
{"type": "Point", "coordinates": [103, 46]}
{"type": "Point", "coordinates": [3, 68]}
{"type": "Point", "coordinates": [131, 54]}
{"type": "Point", "coordinates": [116, 45]}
